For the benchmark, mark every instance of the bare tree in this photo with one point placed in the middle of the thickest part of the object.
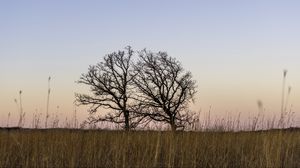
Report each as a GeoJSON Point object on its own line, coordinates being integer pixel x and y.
{"type": "Point", "coordinates": [164, 89]}
{"type": "Point", "coordinates": [110, 84]}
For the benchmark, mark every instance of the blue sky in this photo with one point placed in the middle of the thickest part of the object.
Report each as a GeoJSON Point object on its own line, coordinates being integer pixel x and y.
{"type": "Point", "coordinates": [236, 50]}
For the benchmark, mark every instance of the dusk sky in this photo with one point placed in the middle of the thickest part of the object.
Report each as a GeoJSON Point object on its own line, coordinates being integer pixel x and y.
{"type": "Point", "coordinates": [236, 50]}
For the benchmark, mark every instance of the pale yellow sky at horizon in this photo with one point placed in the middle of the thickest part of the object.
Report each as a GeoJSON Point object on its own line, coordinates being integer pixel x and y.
{"type": "Point", "coordinates": [225, 95]}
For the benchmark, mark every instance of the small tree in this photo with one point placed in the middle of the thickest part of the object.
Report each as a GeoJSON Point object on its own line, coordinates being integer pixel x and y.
{"type": "Point", "coordinates": [110, 83]}
{"type": "Point", "coordinates": [164, 89]}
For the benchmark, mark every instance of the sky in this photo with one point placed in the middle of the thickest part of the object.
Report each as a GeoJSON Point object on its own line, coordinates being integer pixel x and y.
{"type": "Point", "coordinates": [236, 50]}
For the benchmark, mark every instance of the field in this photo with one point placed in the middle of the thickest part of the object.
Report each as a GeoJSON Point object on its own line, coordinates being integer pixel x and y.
{"type": "Point", "coordinates": [96, 148]}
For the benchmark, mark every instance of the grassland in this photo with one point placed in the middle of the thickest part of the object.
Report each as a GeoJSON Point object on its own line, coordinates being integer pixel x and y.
{"type": "Point", "coordinates": [94, 148]}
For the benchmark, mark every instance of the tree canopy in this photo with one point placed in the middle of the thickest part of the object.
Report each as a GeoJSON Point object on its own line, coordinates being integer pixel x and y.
{"type": "Point", "coordinates": [153, 87]}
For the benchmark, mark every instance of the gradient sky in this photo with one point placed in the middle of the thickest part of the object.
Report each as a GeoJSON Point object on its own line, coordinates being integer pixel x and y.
{"type": "Point", "coordinates": [236, 50]}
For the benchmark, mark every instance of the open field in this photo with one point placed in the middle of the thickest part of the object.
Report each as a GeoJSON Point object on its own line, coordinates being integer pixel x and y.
{"type": "Point", "coordinates": [92, 148]}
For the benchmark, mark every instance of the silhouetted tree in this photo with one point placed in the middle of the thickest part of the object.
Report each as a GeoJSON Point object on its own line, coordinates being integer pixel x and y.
{"type": "Point", "coordinates": [110, 84]}
{"type": "Point", "coordinates": [164, 89]}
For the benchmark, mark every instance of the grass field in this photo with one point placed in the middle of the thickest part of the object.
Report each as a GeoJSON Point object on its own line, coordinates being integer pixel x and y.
{"type": "Point", "coordinates": [92, 148]}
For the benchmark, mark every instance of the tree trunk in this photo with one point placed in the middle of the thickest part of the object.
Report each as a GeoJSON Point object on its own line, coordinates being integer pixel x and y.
{"type": "Point", "coordinates": [173, 125]}
{"type": "Point", "coordinates": [126, 117]}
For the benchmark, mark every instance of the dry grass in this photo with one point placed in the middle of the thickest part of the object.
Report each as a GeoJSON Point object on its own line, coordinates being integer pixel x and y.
{"type": "Point", "coordinates": [91, 148]}
{"type": "Point", "coordinates": [213, 145]}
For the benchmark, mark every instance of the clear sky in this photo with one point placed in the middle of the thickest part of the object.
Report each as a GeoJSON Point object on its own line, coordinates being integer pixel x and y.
{"type": "Point", "coordinates": [236, 50]}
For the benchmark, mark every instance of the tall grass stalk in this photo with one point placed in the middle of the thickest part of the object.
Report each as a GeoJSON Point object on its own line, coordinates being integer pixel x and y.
{"type": "Point", "coordinates": [21, 113]}
{"type": "Point", "coordinates": [36, 119]}
{"type": "Point", "coordinates": [18, 108]}
{"type": "Point", "coordinates": [75, 121]}
{"type": "Point", "coordinates": [55, 123]}
{"type": "Point", "coordinates": [8, 117]}
{"type": "Point", "coordinates": [283, 90]}
{"type": "Point", "coordinates": [47, 108]}
{"type": "Point", "coordinates": [287, 98]}
{"type": "Point", "coordinates": [281, 121]}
